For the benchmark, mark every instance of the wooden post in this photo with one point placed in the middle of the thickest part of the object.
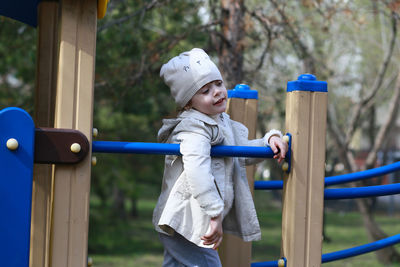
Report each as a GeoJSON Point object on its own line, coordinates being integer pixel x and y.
{"type": "Point", "coordinates": [242, 107]}
{"type": "Point", "coordinates": [74, 107]}
{"type": "Point", "coordinates": [46, 78]}
{"type": "Point", "coordinates": [303, 193]}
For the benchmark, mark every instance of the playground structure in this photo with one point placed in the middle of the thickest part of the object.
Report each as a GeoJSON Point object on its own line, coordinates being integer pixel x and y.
{"type": "Point", "coordinates": [64, 99]}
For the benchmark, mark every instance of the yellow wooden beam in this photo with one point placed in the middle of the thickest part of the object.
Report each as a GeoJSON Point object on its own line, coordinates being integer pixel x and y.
{"type": "Point", "coordinates": [303, 192]}
{"type": "Point", "coordinates": [74, 107]}
{"type": "Point", "coordinates": [45, 93]}
{"type": "Point", "coordinates": [234, 252]}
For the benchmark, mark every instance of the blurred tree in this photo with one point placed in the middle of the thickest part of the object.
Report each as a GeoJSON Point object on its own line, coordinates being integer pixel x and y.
{"type": "Point", "coordinates": [134, 39]}
{"type": "Point", "coordinates": [18, 61]}
{"type": "Point", "coordinates": [351, 44]}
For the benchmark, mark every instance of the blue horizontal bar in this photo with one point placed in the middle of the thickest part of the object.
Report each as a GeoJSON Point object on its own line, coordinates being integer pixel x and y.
{"type": "Point", "coordinates": [340, 193]}
{"type": "Point", "coordinates": [265, 264]}
{"type": "Point", "coordinates": [338, 179]}
{"type": "Point", "coordinates": [270, 263]}
{"type": "Point", "coordinates": [173, 149]}
{"type": "Point", "coordinates": [359, 192]}
{"type": "Point", "coordinates": [351, 177]}
{"type": "Point", "coordinates": [351, 252]}
{"type": "Point", "coordinates": [268, 185]}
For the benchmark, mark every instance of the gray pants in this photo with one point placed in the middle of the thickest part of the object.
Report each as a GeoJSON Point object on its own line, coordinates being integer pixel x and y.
{"type": "Point", "coordinates": [179, 252]}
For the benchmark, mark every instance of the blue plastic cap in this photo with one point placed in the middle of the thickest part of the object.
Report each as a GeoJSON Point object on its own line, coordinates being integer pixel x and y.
{"type": "Point", "coordinates": [307, 82]}
{"type": "Point", "coordinates": [243, 91]}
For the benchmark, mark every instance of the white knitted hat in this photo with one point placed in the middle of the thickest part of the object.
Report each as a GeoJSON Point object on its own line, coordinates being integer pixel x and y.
{"type": "Point", "coordinates": [187, 73]}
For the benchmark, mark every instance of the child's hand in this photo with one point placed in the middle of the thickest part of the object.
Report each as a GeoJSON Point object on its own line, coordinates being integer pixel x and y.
{"type": "Point", "coordinates": [215, 234]}
{"type": "Point", "coordinates": [279, 147]}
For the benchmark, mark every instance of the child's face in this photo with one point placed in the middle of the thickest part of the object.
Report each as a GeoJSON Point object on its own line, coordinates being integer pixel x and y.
{"type": "Point", "coordinates": [211, 98]}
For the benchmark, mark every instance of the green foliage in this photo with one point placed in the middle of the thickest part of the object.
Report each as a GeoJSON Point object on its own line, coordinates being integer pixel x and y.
{"type": "Point", "coordinates": [130, 98]}
{"type": "Point", "coordinates": [18, 62]}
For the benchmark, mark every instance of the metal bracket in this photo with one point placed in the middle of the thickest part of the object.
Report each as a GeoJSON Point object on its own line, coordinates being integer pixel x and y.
{"type": "Point", "coordinates": [53, 146]}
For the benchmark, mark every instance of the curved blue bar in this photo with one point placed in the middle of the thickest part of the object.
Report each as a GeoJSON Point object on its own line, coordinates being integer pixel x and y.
{"type": "Point", "coordinates": [338, 179]}
{"type": "Point", "coordinates": [350, 177]}
{"type": "Point", "coordinates": [351, 252]}
{"type": "Point", "coordinates": [359, 192]}
{"type": "Point", "coordinates": [173, 149]}
{"type": "Point", "coordinates": [340, 193]}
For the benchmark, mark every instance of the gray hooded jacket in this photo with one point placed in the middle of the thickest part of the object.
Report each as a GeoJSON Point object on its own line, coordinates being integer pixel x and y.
{"type": "Point", "coordinates": [195, 186]}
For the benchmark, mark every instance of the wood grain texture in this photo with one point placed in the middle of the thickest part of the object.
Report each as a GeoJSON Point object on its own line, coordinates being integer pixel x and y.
{"type": "Point", "coordinates": [234, 252]}
{"type": "Point", "coordinates": [74, 107]}
{"type": "Point", "coordinates": [45, 94]}
{"type": "Point", "coordinates": [303, 187]}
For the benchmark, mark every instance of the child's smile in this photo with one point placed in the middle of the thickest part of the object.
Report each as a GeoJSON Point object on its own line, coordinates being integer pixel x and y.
{"type": "Point", "coordinates": [219, 101]}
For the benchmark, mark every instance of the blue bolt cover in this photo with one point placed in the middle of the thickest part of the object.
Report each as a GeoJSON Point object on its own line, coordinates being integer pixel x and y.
{"type": "Point", "coordinates": [243, 91]}
{"type": "Point", "coordinates": [307, 82]}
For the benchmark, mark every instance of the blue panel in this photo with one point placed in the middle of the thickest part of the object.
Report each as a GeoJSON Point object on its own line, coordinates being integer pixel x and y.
{"type": "Point", "coordinates": [243, 91]}
{"type": "Point", "coordinates": [307, 82]}
{"type": "Point", "coordinates": [21, 10]}
{"type": "Point", "coordinates": [16, 169]}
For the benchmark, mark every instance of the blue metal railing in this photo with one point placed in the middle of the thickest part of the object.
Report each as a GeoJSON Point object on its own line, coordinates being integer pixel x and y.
{"type": "Point", "coordinates": [361, 192]}
{"type": "Point", "coordinates": [266, 152]}
{"type": "Point", "coordinates": [356, 176]}
{"type": "Point", "coordinates": [355, 251]}
{"type": "Point", "coordinates": [338, 179]}
{"type": "Point", "coordinates": [173, 149]}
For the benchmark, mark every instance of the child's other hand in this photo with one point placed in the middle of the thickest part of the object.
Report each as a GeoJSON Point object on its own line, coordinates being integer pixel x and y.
{"type": "Point", "coordinates": [215, 234]}
{"type": "Point", "coordinates": [279, 147]}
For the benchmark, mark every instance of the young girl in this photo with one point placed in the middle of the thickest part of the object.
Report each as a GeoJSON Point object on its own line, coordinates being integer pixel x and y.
{"type": "Point", "coordinates": [202, 197]}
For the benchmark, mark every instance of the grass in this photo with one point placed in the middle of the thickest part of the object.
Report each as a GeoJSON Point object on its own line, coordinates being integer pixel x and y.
{"type": "Point", "coordinates": [119, 243]}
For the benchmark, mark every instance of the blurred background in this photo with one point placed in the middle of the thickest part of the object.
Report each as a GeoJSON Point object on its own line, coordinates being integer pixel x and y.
{"type": "Point", "coordinates": [353, 45]}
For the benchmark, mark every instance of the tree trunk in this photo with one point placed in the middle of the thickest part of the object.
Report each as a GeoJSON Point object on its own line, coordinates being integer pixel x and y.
{"type": "Point", "coordinates": [230, 49]}
{"type": "Point", "coordinates": [118, 203]}
{"type": "Point", "coordinates": [387, 255]}
{"type": "Point", "coordinates": [134, 212]}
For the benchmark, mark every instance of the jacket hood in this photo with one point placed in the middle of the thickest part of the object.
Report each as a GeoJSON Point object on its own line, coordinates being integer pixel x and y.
{"type": "Point", "coordinates": [169, 124]}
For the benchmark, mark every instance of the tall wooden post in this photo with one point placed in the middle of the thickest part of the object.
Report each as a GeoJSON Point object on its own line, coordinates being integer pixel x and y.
{"type": "Point", "coordinates": [46, 78]}
{"type": "Point", "coordinates": [303, 192]}
{"type": "Point", "coordinates": [74, 107]}
{"type": "Point", "coordinates": [242, 107]}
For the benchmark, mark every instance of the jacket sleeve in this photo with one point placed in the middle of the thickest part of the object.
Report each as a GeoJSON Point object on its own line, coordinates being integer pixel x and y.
{"type": "Point", "coordinates": [242, 133]}
{"type": "Point", "coordinates": [195, 146]}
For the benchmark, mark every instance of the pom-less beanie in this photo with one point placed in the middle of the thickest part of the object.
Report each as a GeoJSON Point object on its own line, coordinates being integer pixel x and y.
{"type": "Point", "coordinates": [187, 73]}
